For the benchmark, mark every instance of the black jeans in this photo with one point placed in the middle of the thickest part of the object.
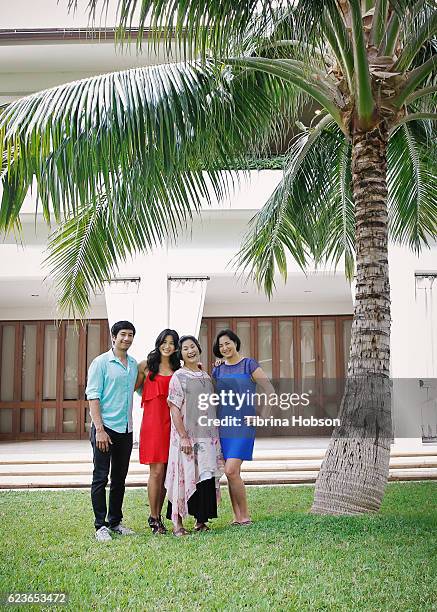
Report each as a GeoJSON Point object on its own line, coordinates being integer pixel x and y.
{"type": "Point", "coordinates": [115, 459]}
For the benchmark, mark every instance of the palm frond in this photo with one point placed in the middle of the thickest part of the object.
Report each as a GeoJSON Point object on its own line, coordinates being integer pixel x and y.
{"type": "Point", "coordinates": [194, 26]}
{"type": "Point", "coordinates": [379, 22]}
{"type": "Point", "coordinates": [340, 42]}
{"type": "Point", "coordinates": [295, 72]}
{"type": "Point", "coordinates": [79, 260]}
{"type": "Point", "coordinates": [149, 143]}
{"type": "Point", "coordinates": [88, 247]}
{"type": "Point", "coordinates": [336, 216]}
{"type": "Point", "coordinates": [217, 27]}
{"type": "Point", "coordinates": [14, 191]}
{"type": "Point", "coordinates": [310, 213]}
{"type": "Point", "coordinates": [83, 139]}
{"type": "Point", "coordinates": [412, 185]}
{"type": "Point", "coordinates": [363, 85]}
{"type": "Point", "coordinates": [420, 32]}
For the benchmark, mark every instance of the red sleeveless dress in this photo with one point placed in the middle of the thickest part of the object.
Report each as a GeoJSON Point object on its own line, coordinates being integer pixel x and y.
{"type": "Point", "coordinates": [155, 426]}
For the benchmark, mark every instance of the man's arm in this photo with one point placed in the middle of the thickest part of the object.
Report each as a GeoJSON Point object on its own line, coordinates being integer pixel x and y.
{"type": "Point", "coordinates": [94, 392]}
{"type": "Point", "coordinates": [102, 438]}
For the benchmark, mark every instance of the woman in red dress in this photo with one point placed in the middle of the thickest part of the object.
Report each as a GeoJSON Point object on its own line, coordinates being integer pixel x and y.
{"type": "Point", "coordinates": [155, 374]}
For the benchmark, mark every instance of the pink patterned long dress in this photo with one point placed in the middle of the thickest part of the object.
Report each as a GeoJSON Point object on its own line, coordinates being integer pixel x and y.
{"type": "Point", "coordinates": [185, 472]}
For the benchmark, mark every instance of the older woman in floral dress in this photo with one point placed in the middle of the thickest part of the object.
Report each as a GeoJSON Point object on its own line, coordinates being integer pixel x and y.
{"type": "Point", "coordinates": [195, 461]}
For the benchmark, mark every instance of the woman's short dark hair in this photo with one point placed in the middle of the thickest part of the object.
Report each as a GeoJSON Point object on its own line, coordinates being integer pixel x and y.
{"type": "Point", "coordinates": [231, 335]}
{"type": "Point", "coordinates": [154, 357]}
{"type": "Point", "coordinates": [117, 327]}
{"type": "Point", "coordinates": [193, 339]}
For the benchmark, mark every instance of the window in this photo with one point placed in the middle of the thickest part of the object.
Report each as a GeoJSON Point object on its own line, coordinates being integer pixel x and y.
{"type": "Point", "coordinates": [43, 369]}
{"type": "Point", "coordinates": [304, 349]}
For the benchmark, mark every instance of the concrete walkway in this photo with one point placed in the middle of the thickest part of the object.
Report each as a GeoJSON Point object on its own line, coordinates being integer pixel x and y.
{"type": "Point", "coordinates": [68, 463]}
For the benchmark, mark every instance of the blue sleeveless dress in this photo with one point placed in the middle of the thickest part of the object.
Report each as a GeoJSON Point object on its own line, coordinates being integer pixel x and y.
{"type": "Point", "coordinates": [236, 440]}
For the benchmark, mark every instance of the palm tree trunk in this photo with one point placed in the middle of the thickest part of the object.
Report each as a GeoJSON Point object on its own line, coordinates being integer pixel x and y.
{"type": "Point", "coordinates": [355, 469]}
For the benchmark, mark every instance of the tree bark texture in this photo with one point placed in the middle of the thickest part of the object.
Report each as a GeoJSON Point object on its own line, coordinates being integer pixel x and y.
{"type": "Point", "coordinates": [355, 469]}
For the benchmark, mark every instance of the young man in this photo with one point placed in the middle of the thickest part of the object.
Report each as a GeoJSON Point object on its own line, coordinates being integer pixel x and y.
{"type": "Point", "coordinates": [110, 388]}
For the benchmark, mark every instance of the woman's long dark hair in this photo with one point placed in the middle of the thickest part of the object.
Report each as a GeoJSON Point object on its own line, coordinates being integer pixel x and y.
{"type": "Point", "coordinates": [154, 357]}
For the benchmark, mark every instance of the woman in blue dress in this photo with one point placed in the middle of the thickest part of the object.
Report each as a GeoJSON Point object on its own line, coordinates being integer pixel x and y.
{"type": "Point", "coordinates": [235, 381]}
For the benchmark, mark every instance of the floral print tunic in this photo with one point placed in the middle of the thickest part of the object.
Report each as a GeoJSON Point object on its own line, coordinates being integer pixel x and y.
{"type": "Point", "coordinates": [184, 471]}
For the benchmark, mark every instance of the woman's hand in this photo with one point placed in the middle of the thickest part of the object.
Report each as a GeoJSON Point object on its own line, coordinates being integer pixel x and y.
{"type": "Point", "coordinates": [186, 446]}
{"type": "Point", "coordinates": [218, 362]}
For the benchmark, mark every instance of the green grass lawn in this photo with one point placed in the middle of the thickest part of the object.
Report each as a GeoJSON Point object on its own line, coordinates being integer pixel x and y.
{"type": "Point", "coordinates": [288, 560]}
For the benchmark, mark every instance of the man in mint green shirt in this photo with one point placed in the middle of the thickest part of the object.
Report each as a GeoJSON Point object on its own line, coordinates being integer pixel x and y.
{"type": "Point", "coordinates": [110, 387]}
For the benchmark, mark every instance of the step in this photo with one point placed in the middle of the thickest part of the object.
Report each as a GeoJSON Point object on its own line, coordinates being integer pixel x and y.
{"type": "Point", "coordinates": [85, 457]}
{"type": "Point", "coordinates": [264, 455]}
{"type": "Point", "coordinates": [84, 481]}
{"type": "Point", "coordinates": [140, 480]}
{"type": "Point", "coordinates": [31, 469]}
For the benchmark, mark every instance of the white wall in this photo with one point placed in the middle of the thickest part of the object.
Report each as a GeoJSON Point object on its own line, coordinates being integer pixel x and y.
{"type": "Point", "coordinates": [51, 14]}
{"type": "Point", "coordinates": [28, 65]}
{"type": "Point", "coordinates": [408, 334]}
{"type": "Point", "coordinates": [276, 309]}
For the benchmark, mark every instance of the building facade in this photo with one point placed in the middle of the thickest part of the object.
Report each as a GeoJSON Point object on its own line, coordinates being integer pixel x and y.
{"type": "Point", "coordinates": [301, 334]}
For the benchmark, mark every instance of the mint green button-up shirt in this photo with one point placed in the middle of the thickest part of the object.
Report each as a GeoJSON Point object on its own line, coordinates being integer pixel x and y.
{"type": "Point", "coordinates": [113, 384]}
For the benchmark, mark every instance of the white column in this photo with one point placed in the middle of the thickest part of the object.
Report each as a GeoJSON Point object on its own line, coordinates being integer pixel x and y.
{"type": "Point", "coordinates": [120, 295]}
{"type": "Point", "coordinates": [143, 301]}
{"type": "Point", "coordinates": [186, 300]}
{"type": "Point", "coordinates": [411, 342]}
{"type": "Point", "coordinates": [426, 300]}
{"type": "Point", "coordinates": [404, 366]}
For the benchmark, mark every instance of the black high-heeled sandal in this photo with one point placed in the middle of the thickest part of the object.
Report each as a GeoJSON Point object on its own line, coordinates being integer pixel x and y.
{"type": "Point", "coordinates": [162, 527]}
{"type": "Point", "coordinates": [153, 524]}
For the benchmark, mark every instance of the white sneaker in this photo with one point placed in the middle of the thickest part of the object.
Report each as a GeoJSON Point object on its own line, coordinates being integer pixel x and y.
{"type": "Point", "coordinates": [103, 535]}
{"type": "Point", "coordinates": [122, 530]}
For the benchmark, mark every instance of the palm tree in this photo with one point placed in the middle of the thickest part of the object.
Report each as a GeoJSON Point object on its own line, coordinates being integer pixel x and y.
{"type": "Point", "coordinates": [123, 158]}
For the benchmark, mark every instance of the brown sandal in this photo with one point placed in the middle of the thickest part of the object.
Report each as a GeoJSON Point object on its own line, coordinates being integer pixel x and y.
{"type": "Point", "coordinates": [201, 527]}
{"type": "Point", "coordinates": [180, 532]}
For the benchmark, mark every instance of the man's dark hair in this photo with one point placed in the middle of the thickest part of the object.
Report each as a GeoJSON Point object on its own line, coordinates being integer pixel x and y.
{"type": "Point", "coordinates": [193, 339]}
{"type": "Point", "coordinates": [117, 327]}
{"type": "Point", "coordinates": [231, 335]}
